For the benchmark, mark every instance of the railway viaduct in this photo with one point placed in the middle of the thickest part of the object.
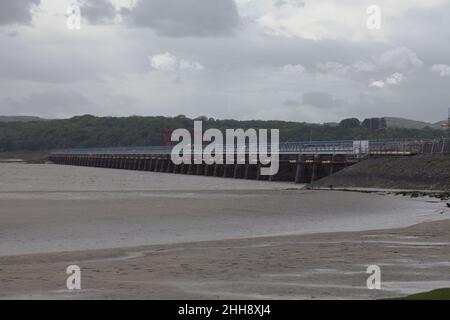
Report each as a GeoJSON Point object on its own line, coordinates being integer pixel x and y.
{"type": "Point", "coordinates": [299, 162]}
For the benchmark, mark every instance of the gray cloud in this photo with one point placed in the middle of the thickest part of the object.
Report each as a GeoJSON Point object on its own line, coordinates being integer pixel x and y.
{"type": "Point", "coordinates": [321, 100]}
{"type": "Point", "coordinates": [295, 3]}
{"type": "Point", "coordinates": [48, 103]}
{"type": "Point", "coordinates": [13, 33]}
{"type": "Point", "coordinates": [16, 11]}
{"type": "Point", "coordinates": [42, 68]}
{"type": "Point", "coordinates": [291, 103]}
{"type": "Point", "coordinates": [399, 58]}
{"type": "Point", "coordinates": [97, 11]}
{"type": "Point", "coordinates": [187, 18]}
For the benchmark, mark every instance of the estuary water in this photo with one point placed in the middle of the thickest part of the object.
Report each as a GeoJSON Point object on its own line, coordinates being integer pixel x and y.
{"type": "Point", "coordinates": [51, 208]}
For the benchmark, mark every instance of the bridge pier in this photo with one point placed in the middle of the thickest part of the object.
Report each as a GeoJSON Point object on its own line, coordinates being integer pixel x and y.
{"type": "Point", "coordinates": [225, 170]}
{"type": "Point", "coordinates": [313, 171]}
{"type": "Point", "coordinates": [155, 164]}
{"type": "Point", "coordinates": [250, 171]}
{"type": "Point", "coordinates": [299, 170]}
{"type": "Point", "coordinates": [258, 172]}
{"type": "Point", "coordinates": [147, 163]}
{"type": "Point", "coordinates": [207, 170]}
{"type": "Point", "coordinates": [331, 168]}
{"type": "Point", "coordinates": [236, 171]}
{"type": "Point", "coordinates": [239, 171]}
{"type": "Point", "coordinates": [169, 166]}
{"type": "Point", "coordinates": [246, 171]}
{"type": "Point", "coordinates": [163, 165]}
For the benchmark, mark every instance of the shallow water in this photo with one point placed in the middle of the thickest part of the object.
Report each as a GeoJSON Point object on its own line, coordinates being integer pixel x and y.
{"type": "Point", "coordinates": [55, 178]}
{"type": "Point", "coordinates": [49, 208]}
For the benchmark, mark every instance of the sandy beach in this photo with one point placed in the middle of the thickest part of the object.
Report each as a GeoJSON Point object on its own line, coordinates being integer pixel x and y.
{"type": "Point", "coordinates": [160, 236]}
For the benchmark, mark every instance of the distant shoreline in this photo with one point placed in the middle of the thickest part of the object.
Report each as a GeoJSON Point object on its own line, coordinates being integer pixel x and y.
{"type": "Point", "coordinates": [24, 156]}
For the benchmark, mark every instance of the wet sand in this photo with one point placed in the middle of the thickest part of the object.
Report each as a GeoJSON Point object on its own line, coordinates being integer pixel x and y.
{"type": "Point", "coordinates": [150, 235]}
{"type": "Point", "coordinates": [319, 266]}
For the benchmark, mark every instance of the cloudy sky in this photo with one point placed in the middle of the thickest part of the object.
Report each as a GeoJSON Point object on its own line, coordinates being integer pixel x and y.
{"type": "Point", "coordinates": [301, 60]}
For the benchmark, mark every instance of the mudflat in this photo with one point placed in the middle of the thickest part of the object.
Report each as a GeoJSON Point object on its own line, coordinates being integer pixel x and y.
{"type": "Point", "coordinates": [318, 266]}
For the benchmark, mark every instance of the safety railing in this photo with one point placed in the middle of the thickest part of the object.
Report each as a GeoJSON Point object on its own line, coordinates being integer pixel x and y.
{"type": "Point", "coordinates": [362, 147]}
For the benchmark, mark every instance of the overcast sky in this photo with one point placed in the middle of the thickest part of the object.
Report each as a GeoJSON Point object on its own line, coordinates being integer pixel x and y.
{"type": "Point", "coordinates": [300, 60]}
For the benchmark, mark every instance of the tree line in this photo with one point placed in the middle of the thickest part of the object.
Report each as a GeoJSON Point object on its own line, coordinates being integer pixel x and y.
{"type": "Point", "coordinates": [90, 131]}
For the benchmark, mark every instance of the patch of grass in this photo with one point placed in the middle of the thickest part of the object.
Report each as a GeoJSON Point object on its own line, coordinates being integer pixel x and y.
{"type": "Point", "coordinates": [438, 294]}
